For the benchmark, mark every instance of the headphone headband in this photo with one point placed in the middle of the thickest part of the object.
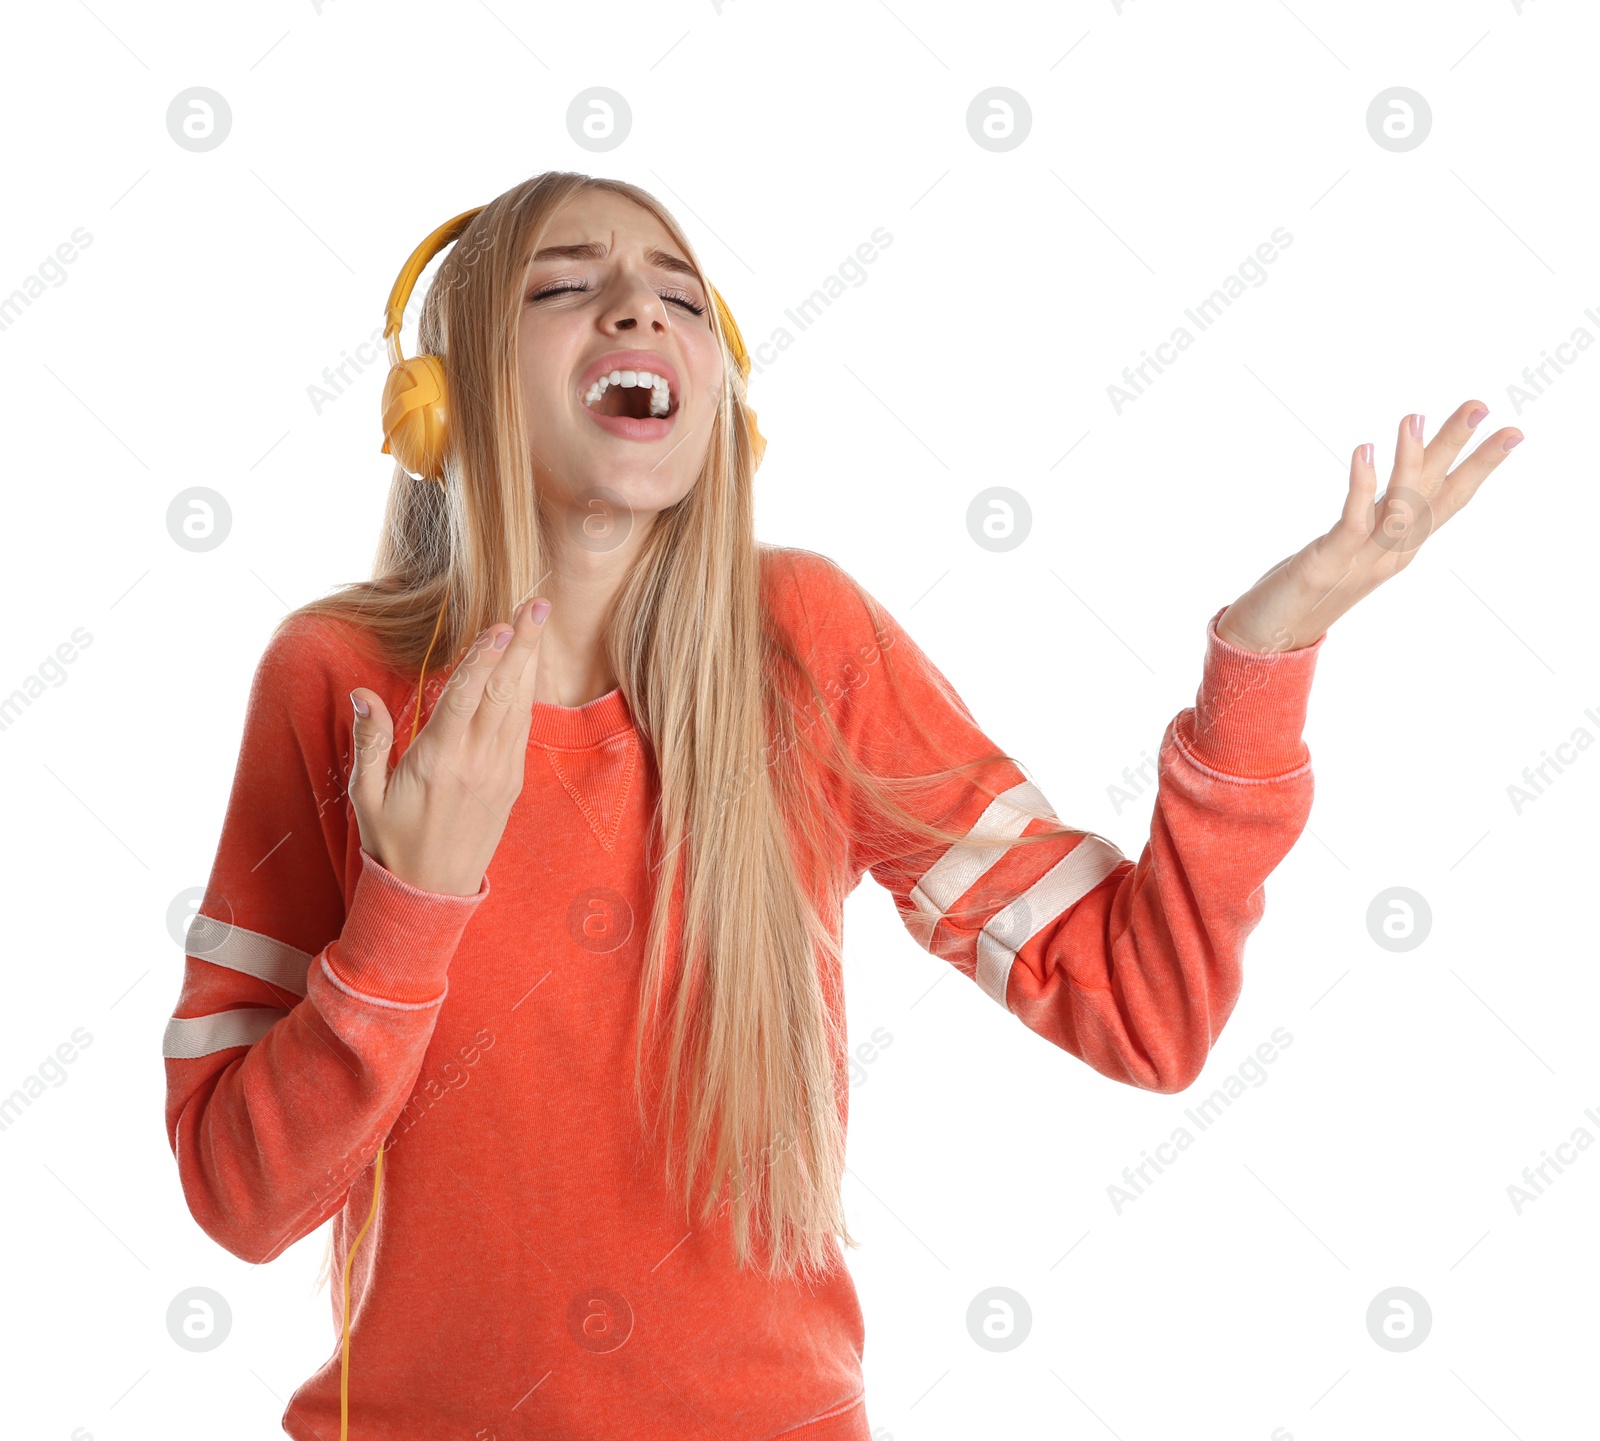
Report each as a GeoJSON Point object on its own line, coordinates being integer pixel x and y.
{"type": "Point", "coordinates": [400, 293]}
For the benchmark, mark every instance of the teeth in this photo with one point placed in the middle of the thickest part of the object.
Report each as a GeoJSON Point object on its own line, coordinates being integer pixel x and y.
{"type": "Point", "coordinates": [660, 390]}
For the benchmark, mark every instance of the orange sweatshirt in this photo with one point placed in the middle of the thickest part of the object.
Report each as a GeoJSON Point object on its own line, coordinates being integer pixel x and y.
{"type": "Point", "coordinates": [527, 1274]}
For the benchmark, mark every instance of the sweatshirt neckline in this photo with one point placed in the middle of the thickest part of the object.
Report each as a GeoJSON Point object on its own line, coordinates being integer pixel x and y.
{"type": "Point", "coordinates": [579, 726]}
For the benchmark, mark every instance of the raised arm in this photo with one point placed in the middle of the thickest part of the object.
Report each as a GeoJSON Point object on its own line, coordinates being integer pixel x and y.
{"type": "Point", "coordinates": [1134, 967]}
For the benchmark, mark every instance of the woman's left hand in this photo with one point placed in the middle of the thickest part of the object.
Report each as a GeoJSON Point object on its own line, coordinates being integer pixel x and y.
{"type": "Point", "coordinates": [1300, 597]}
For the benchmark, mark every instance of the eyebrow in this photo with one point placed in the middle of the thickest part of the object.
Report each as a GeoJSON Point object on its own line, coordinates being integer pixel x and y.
{"type": "Point", "coordinates": [593, 250]}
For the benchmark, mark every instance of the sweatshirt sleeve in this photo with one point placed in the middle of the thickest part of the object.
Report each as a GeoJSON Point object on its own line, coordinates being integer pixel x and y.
{"type": "Point", "coordinates": [312, 976]}
{"type": "Point", "coordinates": [1132, 966]}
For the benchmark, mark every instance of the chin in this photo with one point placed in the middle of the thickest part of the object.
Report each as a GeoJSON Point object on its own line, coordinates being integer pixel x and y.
{"type": "Point", "coordinates": [605, 500]}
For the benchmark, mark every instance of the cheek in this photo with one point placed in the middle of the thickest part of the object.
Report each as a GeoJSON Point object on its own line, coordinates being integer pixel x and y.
{"type": "Point", "coordinates": [705, 365]}
{"type": "Point", "coordinates": [542, 368]}
{"type": "Point", "coordinates": [541, 391]}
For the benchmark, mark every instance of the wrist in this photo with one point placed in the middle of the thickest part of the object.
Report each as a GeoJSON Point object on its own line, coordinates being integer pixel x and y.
{"type": "Point", "coordinates": [1282, 639]}
{"type": "Point", "coordinates": [454, 887]}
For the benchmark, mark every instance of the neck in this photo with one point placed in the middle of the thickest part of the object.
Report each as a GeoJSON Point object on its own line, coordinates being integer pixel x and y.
{"type": "Point", "coordinates": [581, 587]}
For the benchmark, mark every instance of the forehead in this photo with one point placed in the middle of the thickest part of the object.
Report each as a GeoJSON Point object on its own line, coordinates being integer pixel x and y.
{"type": "Point", "coordinates": [596, 214]}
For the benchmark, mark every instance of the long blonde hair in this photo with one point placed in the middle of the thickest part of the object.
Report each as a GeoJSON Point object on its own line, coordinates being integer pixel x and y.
{"type": "Point", "coordinates": [745, 831]}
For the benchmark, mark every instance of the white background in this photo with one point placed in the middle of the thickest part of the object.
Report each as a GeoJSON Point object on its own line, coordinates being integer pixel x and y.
{"type": "Point", "coordinates": [1167, 142]}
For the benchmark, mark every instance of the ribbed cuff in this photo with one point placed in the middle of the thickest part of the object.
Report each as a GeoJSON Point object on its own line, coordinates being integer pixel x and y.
{"type": "Point", "coordinates": [397, 940]}
{"type": "Point", "coordinates": [1251, 709]}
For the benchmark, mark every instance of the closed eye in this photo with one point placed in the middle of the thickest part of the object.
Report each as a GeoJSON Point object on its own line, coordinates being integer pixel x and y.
{"type": "Point", "coordinates": [677, 297]}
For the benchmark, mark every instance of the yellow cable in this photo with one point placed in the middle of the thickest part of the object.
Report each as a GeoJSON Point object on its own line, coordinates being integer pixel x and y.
{"type": "Point", "coordinates": [377, 1174]}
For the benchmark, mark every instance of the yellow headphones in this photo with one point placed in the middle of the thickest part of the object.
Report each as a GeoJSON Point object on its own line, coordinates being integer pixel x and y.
{"type": "Point", "coordinates": [416, 433]}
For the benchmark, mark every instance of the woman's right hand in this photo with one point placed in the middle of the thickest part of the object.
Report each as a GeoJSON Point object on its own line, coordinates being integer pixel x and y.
{"type": "Point", "coordinates": [436, 820]}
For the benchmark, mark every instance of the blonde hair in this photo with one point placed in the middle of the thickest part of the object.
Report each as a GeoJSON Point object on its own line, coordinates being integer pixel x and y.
{"type": "Point", "coordinates": [745, 829]}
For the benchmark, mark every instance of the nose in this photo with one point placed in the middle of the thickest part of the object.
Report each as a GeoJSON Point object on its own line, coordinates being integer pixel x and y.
{"type": "Point", "coordinates": [634, 304]}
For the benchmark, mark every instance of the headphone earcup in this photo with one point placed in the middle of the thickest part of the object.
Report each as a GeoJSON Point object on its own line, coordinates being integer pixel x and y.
{"type": "Point", "coordinates": [415, 412]}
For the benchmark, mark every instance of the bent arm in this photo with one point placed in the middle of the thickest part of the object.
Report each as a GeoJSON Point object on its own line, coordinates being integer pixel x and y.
{"type": "Point", "coordinates": [286, 1071]}
{"type": "Point", "coordinates": [313, 976]}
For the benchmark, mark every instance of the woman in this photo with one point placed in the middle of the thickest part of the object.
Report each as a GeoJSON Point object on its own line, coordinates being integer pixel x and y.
{"type": "Point", "coordinates": [676, 758]}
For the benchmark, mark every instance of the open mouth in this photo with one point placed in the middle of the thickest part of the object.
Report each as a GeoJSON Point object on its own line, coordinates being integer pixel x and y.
{"type": "Point", "coordinates": [632, 394]}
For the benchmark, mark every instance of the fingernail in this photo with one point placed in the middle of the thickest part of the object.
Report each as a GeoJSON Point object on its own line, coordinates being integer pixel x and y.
{"type": "Point", "coordinates": [1416, 427]}
{"type": "Point", "coordinates": [502, 640]}
{"type": "Point", "coordinates": [1366, 453]}
{"type": "Point", "coordinates": [541, 608]}
{"type": "Point", "coordinates": [518, 611]}
{"type": "Point", "coordinates": [363, 708]}
{"type": "Point", "coordinates": [1476, 414]}
{"type": "Point", "coordinates": [1511, 441]}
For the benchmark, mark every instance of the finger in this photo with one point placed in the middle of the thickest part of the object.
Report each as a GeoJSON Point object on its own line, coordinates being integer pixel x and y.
{"type": "Point", "coordinates": [509, 690]}
{"type": "Point", "coordinates": [1408, 453]}
{"type": "Point", "coordinates": [535, 613]}
{"type": "Point", "coordinates": [1462, 482]}
{"type": "Point", "coordinates": [1404, 516]}
{"type": "Point", "coordinates": [1337, 552]}
{"type": "Point", "coordinates": [371, 737]}
{"type": "Point", "coordinates": [1441, 452]}
{"type": "Point", "coordinates": [1356, 518]}
{"type": "Point", "coordinates": [453, 713]}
